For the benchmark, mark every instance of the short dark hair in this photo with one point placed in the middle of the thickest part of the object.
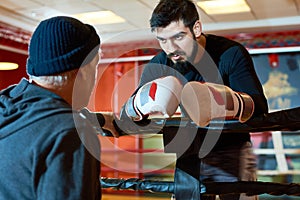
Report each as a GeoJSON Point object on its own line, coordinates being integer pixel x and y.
{"type": "Point", "coordinates": [168, 11]}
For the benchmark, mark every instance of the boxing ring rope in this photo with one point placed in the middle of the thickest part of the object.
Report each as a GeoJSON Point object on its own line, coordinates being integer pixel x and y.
{"type": "Point", "coordinates": [284, 120]}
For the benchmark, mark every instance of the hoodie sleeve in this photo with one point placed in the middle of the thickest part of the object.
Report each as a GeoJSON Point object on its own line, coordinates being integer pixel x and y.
{"type": "Point", "coordinates": [69, 170]}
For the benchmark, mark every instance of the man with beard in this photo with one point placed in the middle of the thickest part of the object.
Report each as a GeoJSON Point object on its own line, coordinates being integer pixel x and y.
{"type": "Point", "coordinates": [202, 64]}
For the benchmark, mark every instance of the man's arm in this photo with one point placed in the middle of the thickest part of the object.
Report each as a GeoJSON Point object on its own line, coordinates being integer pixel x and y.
{"type": "Point", "coordinates": [67, 170]}
{"type": "Point", "coordinates": [243, 78]}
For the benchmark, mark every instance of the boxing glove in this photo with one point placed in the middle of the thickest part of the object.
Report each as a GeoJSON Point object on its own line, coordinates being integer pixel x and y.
{"type": "Point", "coordinates": [206, 101]}
{"type": "Point", "coordinates": [161, 96]}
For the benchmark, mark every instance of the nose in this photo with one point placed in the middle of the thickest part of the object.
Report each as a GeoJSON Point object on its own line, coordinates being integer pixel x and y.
{"type": "Point", "coordinates": [100, 53]}
{"type": "Point", "coordinates": [170, 46]}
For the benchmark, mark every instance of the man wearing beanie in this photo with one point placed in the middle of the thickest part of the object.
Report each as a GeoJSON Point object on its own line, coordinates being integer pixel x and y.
{"type": "Point", "coordinates": [49, 150]}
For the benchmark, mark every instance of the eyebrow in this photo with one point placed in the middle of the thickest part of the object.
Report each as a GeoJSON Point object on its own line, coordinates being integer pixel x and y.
{"type": "Point", "coordinates": [173, 36]}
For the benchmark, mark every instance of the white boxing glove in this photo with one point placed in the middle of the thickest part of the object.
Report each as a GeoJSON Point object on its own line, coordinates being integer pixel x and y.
{"type": "Point", "coordinates": [161, 96]}
{"type": "Point", "coordinates": [206, 101]}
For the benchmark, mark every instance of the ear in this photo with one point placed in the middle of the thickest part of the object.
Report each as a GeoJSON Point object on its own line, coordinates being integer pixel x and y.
{"type": "Point", "coordinates": [197, 29]}
{"type": "Point", "coordinates": [82, 72]}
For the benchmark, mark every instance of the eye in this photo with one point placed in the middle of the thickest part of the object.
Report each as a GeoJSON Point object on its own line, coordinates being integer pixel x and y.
{"type": "Point", "coordinates": [179, 37]}
{"type": "Point", "coordinates": [162, 40]}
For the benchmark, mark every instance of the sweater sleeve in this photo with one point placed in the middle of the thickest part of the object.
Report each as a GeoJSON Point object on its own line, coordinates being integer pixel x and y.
{"type": "Point", "coordinates": [243, 78]}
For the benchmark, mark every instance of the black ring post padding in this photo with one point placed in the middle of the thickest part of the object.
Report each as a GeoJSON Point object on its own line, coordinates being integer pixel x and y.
{"type": "Point", "coordinates": [252, 188]}
{"type": "Point", "coordinates": [138, 184]}
{"type": "Point", "coordinates": [216, 188]}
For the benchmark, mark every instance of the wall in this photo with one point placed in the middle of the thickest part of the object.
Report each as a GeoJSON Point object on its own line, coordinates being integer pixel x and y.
{"type": "Point", "coordinates": [12, 76]}
{"type": "Point", "coordinates": [13, 48]}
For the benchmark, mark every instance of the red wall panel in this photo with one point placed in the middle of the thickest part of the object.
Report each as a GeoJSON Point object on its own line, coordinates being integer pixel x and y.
{"type": "Point", "coordinates": [12, 76]}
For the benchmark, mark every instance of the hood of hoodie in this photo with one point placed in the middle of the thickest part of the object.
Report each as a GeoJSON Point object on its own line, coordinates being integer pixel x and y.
{"type": "Point", "coordinates": [25, 103]}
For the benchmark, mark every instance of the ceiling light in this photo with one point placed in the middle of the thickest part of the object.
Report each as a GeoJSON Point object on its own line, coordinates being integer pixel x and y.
{"type": "Point", "coordinates": [8, 66]}
{"type": "Point", "coordinates": [99, 17]}
{"type": "Point", "coordinates": [215, 7]}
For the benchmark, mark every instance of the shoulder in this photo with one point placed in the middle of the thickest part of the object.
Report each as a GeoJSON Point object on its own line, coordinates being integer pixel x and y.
{"type": "Point", "coordinates": [56, 118]}
{"type": "Point", "coordinates": [157, 66]}
{"type": "Point", "coordinates": [64, 128]}
{"type": "Point", "coordinates": [222, 42]}
{"type": "Point", "coordinates": [161, 58]}
{"type": "Point", "coordinates": [226, 46]}
{"type": "Point", "coordinates": [220, 39]}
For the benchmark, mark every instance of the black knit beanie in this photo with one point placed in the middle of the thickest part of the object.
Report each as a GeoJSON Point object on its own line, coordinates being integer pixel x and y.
{"type": "Point", "coordinates": [61, 44]}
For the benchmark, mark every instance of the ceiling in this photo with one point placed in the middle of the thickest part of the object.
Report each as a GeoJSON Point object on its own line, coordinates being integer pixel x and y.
{"type": "Point", "coordinates": [265, 15]}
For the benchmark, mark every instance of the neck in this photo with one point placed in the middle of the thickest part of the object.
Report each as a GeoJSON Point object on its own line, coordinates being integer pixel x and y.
{"type": "Point", "coordinates": [201, 41]}
{"type": "Point", "coordinates": [65, 92]}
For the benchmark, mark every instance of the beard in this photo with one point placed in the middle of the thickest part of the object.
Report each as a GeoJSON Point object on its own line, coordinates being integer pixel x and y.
{"type": "Point", "coordinates": [182, 67]}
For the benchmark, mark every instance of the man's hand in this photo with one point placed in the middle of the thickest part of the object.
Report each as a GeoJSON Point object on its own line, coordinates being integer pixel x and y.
{"type": "Point", "coordinates": [103, 121]}
{"type": "Point", "coordinates": [109, 123]}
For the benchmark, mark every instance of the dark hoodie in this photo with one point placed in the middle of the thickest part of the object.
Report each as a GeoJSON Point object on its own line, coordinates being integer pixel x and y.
{"type": "Point", "coordinates": [41, 147]}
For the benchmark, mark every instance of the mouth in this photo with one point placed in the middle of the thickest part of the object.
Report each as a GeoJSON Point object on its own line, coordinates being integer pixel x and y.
{"type": "Point", "coordinates": [176, 57]}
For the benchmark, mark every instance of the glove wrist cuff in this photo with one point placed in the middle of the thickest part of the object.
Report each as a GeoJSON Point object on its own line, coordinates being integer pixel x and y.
{"type": "Point", "coordinates": [132, 111]}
